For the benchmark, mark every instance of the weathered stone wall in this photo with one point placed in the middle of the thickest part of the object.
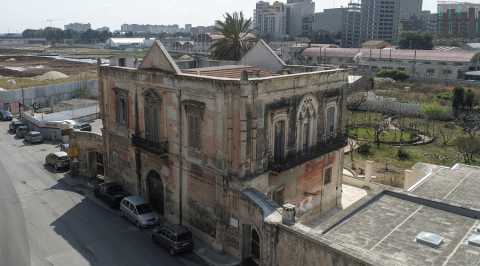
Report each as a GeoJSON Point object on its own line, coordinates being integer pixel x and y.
{"type": "Point", "coordinates": [86, 143]}
{"type": "Point", "coordinates": [299, 249]}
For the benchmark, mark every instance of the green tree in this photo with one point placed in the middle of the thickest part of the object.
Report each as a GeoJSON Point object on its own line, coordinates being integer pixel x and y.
{"type": "Point", "coordinates": [237, 37]}
{"type": "Point", "coordinates": [468, 146]}
{"type": "Point", "coordinates": [469, 100]}
{"type": "Point", "coordinates": [434, 111]}
{"type": "Point", "coordinates": [458, 99]}
{"type": "Point", "coordinates": [416, 40]}
{"type": "Point", "coordinates": [54, 35]}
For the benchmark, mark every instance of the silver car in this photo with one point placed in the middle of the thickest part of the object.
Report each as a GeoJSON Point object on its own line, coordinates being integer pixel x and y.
{"type": "Point", "coordinates": [58, 160]}
{"type": "Point", "coordinates": [34, 137]}
{"type": "Point", "coordinates": [137, 210]}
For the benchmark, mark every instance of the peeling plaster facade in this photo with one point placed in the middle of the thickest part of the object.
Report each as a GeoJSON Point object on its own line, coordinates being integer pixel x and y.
{"type": "Point", "coordinates": [205, 184]}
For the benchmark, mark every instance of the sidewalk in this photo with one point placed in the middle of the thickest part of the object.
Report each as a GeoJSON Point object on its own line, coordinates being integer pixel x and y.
{"type": "Point", "coordinates": [210, 256]}
{"type": "Point", "coordinates": [213, 257]}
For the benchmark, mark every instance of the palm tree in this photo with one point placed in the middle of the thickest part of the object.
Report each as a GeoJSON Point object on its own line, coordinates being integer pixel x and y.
{"type": "Point", "coordinates": [237, 37]}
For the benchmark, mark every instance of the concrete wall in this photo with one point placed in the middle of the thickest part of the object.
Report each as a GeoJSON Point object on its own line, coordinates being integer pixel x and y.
{"type": "Point", "coordinates": [50, 94]}
{"type": "Point", "coordinates": [416, 69]}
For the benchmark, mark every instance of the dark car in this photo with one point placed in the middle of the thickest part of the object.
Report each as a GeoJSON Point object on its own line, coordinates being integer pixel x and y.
{"type": "Point", "coordinates": [12, 128]}
{"type": "Point", "coordinates": [111, 193]}
{"type": "Point", "coordinates": [175, 238]}
{"type": "Point", "coordinates": [83, 127]}
{"type": "Point", "coordinates": [21, 132]}
{"type": "Point", "coordinates": [5, 115]}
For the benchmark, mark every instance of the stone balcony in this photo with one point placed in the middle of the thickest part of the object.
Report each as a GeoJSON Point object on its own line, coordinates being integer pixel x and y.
{"type": "Point", "coordinates": [159, 148]}
{"type": "Point", "coordinates": [297, 158]}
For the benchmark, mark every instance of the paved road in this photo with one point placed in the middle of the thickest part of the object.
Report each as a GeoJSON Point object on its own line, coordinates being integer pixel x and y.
{"type": "Point", "coordinates": [44, 222]}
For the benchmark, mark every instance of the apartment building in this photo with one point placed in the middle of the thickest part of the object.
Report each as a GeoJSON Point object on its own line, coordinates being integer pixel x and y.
{"type": "Point", "coordinates": [380, 20]}
{"type": "Point", "coordinates": [458, 19]}
{"type": "Point", "coordinates": [270, 20]}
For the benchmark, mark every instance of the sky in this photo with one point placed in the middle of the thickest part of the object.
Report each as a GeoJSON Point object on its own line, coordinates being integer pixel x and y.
{"type": "Point", "coordinates": [18, 15]}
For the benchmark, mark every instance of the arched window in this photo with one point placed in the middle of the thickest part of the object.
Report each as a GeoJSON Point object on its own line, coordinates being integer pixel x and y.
{"type": "Point", "coordinates": [279, 135]}
{"type": "Point", "coordinates": [307, 117]}
{"type": "Point", "coordinates": [152, 112]}
{"type": "Point", "coordinates": [331, 120]}
{"type": "Point", "coordinates": [279, 145]}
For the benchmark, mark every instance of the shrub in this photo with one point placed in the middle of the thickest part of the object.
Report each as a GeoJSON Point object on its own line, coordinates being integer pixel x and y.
{"type": "Point", "coordinates": [403, 155]}
{"type": "Point", "coordinates": [434, 111]}
{"type": "Point", "coordinates": [444, 96]}
{"type": "Point", "coordinates": [397, 75]}
{"type": "Point", "coordinates": [364, 149]}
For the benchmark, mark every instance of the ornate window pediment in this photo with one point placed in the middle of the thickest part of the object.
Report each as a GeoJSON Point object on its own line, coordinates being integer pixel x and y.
{"type": "Point", "coordinates": [121, 106]}
{"type": "Point", "coordinates": [151, 96]}
{"type": "Point", "coordinates": [307, 117]}
{"type": "Point", "coordinates": [152, 115]}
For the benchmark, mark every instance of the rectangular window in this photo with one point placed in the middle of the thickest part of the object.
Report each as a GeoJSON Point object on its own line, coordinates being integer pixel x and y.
{"type": "Point", "coordinates": [122, 110]}
{"type": "Point", "coordinates": [327, 178]}
{"type": "Point", "coordinates": [194, 130]}
{"type": "Point", "coordinates": [152, 121]}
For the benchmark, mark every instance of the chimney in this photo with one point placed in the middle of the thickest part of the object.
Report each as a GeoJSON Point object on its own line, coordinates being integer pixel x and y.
{"type": "Point", "coordinates": [288, 216]}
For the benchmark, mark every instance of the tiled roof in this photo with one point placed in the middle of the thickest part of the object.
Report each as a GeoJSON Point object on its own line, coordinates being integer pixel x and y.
{"type": "Point", "coordinates": [234, 71]}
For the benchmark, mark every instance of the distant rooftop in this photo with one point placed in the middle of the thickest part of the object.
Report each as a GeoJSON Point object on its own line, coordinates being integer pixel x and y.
{"type": "Point", "coordinates": [231, 71]}
{"type": "Point", "coordinates": [364, 53]}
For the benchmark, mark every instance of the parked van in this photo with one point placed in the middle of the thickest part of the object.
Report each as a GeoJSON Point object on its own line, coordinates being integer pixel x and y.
{"type": "Point", "coordinates": [137, 210]}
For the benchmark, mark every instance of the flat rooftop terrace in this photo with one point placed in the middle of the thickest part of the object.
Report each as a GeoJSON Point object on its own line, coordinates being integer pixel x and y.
{"type": "Point", "coordinates": [387, 225]}
{"type": "Point", "coordinates": [459, 185]}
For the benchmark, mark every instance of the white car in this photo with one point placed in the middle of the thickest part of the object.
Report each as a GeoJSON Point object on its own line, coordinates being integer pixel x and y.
{"type": "Point", "coordinates": [70, 123]}
{"type": "Point", "coordinates": [137, 210]}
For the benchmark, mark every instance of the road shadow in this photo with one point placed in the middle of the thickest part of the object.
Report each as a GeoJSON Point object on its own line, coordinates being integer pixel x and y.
{"type": "Point", "coordinates": [52, 170]}
{"type": "Point", "coordinates": [100, 236]}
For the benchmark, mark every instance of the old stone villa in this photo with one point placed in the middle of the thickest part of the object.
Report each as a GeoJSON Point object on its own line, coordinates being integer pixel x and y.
{"type": "Point", "coordinates": [250, 156]}
{"type": "Point", "coordinates": [221, 148]}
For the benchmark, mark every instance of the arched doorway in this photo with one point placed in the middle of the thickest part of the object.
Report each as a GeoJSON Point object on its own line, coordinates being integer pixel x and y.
{"type": "Point", "coordinates": [155, 189]}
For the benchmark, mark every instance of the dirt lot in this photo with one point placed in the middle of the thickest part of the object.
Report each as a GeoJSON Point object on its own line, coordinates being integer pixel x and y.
{"type": "Point", "coordinates": [31, 66]}
{"type": "Point", "coordinates": [19, 71]}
